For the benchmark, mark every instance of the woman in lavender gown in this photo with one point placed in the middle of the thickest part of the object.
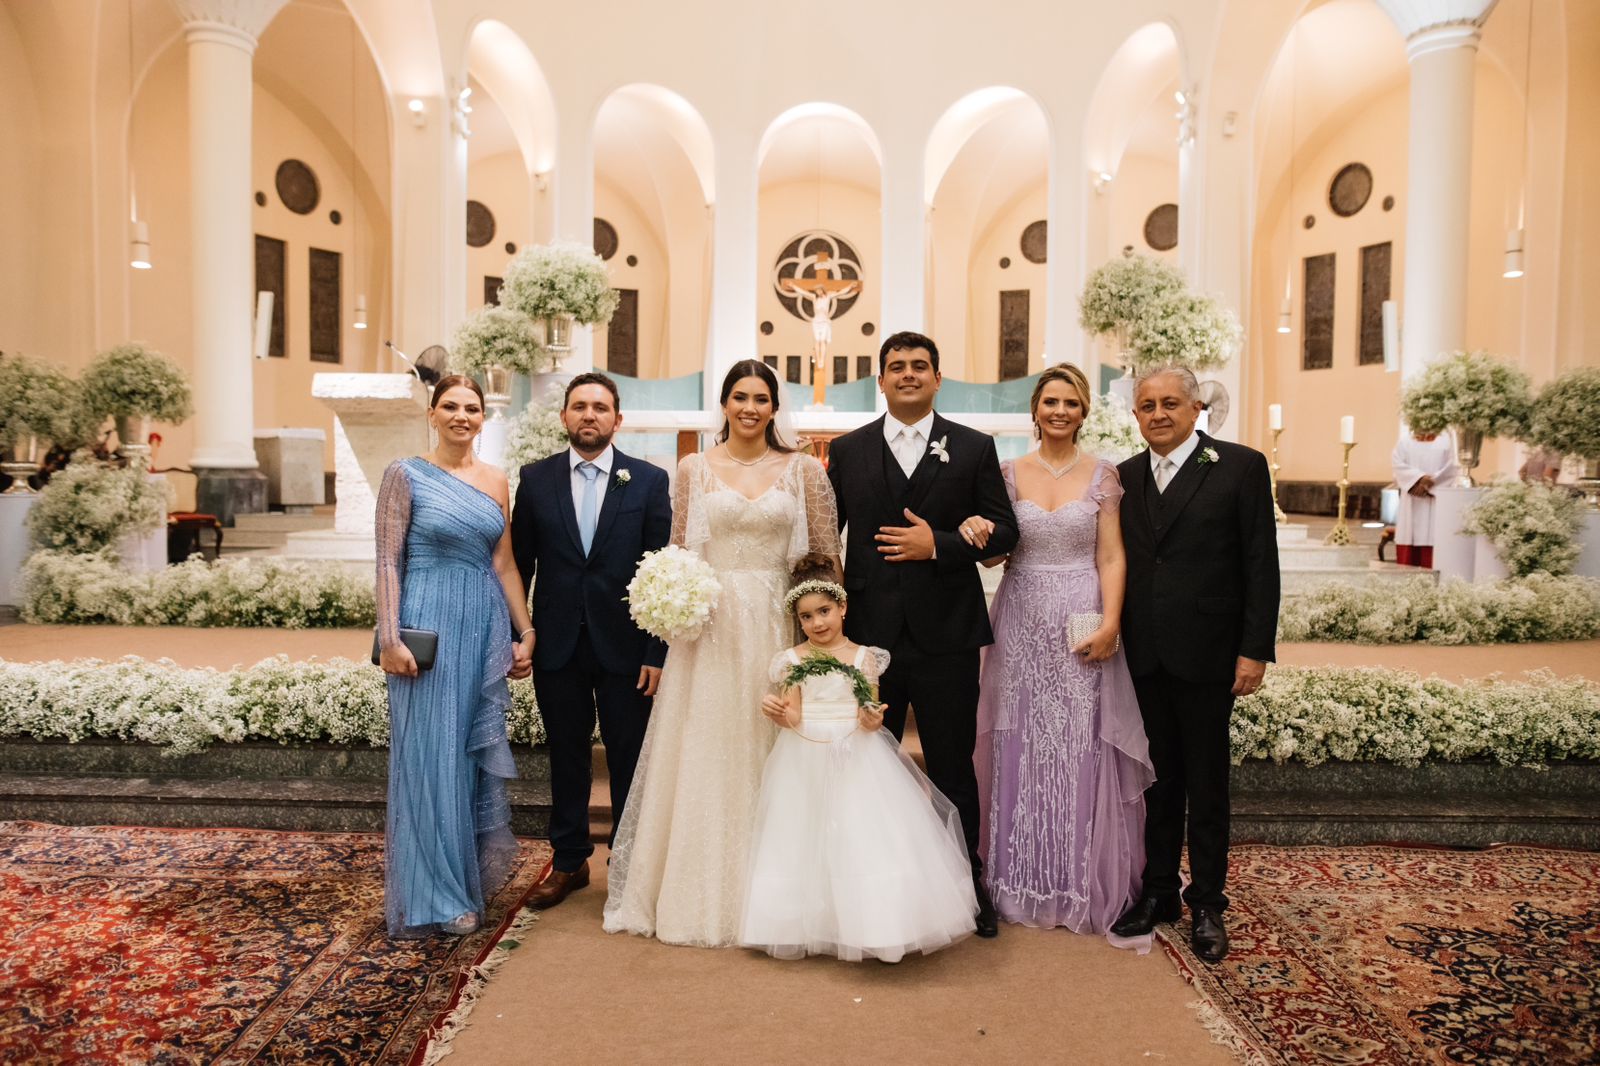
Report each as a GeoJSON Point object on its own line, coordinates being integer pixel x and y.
{"type": "Point", "coordinates": [1061, 757]}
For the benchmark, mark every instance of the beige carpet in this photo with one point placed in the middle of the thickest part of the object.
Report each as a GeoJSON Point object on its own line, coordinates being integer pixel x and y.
{"type": "Point", "coordinates": [574, 994]}
{"type": "Point", "coordinates": [224, 648]}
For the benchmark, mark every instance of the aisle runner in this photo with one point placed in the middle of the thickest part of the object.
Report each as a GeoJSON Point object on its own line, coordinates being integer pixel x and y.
{"type": "Point", "coordinates": [218, 945]}
{"type": "Point", "coordinates": [1387, 955]}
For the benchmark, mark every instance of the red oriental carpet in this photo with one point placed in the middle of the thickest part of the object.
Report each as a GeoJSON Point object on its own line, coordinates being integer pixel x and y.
{"type": "Point", "coordinates": [1400, 956]}
{"type": "Point", "coordinates": [124, 945]}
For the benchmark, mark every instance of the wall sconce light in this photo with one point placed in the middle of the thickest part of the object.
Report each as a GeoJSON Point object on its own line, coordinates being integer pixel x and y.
{"type": "Point", "coordinates": [459, 111]}
{"type": "Point", "coordinates": [1513, 267]}
{"type": "Point", "coordinates": [1101, 180]}
{"type": "Point", "coordinates": [1230, 123]}
{"type": "Point", "coordinates": [1391, 336]}
{"type": "Point", "coordinates": [1285, 318]}
{"type": "Point", "coordinates": [139, 247]}
{"type": "Point", "coordinates": [361, 312]}
{"type": "Point", "coordinates": [419, 115]}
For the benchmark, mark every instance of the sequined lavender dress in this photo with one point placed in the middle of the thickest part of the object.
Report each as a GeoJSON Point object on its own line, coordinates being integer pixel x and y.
{"type": "Point", "coordinates": [1062, 759]}
{"type": "Point", "coordinates": [449, 843]}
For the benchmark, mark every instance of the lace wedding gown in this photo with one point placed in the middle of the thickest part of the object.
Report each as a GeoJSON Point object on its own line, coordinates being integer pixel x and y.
{"type": "Point", "coordinates": [678, 865]}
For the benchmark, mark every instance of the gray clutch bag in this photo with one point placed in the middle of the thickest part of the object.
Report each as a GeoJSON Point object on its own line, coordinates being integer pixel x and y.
{"type": "Point", "coordinates": [422, 643]}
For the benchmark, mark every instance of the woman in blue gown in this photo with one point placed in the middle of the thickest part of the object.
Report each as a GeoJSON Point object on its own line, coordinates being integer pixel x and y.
{"type": "Point", "coordinates": [445, 565]}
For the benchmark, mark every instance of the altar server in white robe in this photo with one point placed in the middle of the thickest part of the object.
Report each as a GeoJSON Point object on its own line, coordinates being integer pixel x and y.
{"type": "Point", "coordinates": [1421, 461]}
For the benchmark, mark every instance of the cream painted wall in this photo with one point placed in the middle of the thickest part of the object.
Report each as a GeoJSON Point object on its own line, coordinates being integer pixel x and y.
{"type": "Point", "coordinates": [19, 191]}
{"type": "Point", "coordinates": [1142, 184]}
{"type": "Point", "coordinates": [787, 210]}
{"type": "Point", "coordinates": [652, 277]}
{"type": "Point", "coordinates": [986, 280]}
{"type": "Point", "coordinates": [501, 184]}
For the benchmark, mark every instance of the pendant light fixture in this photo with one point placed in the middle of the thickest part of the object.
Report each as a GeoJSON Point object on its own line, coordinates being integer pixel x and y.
{"type": "Point", "coordinates": [1286, 310]}
{"type": "Point", "coordinates": [139, 240]}
{"type": "Point", "coordinates": [1515, 235]}
{"type": "Point", "coordinates": [360, 315]}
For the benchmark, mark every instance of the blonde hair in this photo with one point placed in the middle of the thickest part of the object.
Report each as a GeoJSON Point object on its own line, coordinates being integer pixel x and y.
{"type": "Point", "coordinates": [1074, 377]}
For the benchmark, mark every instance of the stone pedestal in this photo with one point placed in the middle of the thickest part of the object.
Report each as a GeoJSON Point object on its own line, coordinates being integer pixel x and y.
{"type": "Point", "coordinates": [1486, 564]}
{"type": "Point", "coordinates": [378, 418]}
{"type": "Point", "coordinates": [1588, 564]}
{"type": "Point", "coordinates": [226, 492]}
{"type": "Point", "coordinates": [291, 459]}
{"type": "Point", "coordinates": [1454, 552]}
{"type": "Point", "coordinates": [14, 543]}
{"type": "Point", "coordinates": [147, 553]}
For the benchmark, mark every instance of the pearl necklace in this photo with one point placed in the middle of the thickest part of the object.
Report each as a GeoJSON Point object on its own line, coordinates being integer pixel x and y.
{"type": "Point", "coordinates": [814, 646]}
{"type": "Point", "coordinates": [1077, 453]}
{"type": "Point", "coordinates": [748, 462]}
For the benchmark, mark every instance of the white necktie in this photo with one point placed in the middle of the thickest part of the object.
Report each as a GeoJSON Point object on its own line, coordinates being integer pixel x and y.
{"type": "Point", "coordinates": [908, 449]}
{"type": "Point", "coordinates": [1164, 469]}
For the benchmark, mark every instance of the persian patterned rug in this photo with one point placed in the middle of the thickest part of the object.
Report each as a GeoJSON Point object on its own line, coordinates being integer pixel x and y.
{"type": "Point", "coordinates": [123, 945]}
{"type": "Point", "coordinates": [1386, 955]}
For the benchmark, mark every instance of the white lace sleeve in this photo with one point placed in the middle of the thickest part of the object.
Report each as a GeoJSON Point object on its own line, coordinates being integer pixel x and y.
{"type": "Point", "coordinates": [819, 532]}
{"type": "Point", "coordinates": [393, 521]}
{"type": "Point", "coordinates": [690, 527]}
{"type": "Point", "coordinates": [779, 668]}
{"type": "Point", "coordinates": [874, 662]}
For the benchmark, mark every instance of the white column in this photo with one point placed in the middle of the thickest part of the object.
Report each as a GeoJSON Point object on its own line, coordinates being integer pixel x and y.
{"type": "Point", "coordinates": [735, 269]}
{"type": "Point", "coordinates": [1069, 252]}
{"type": "Point", "coordinates": [902, 303]}
{"type": "Point", "coordinates": [221, 37]}
{"type": "Point", "coordinates": [429, 238]}
{"type": "Point", "coordinates": [1442, 51]}
{"type": "Point", "coordinates": [572, 186]}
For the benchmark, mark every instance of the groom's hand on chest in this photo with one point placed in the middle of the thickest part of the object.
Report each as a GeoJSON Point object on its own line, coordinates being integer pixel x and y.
{"type": "Point", "coordinates": [906, 544]}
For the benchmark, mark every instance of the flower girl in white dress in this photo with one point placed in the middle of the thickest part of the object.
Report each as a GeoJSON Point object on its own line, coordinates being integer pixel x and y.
{"type": "Point", "coordinates": [855, 853]}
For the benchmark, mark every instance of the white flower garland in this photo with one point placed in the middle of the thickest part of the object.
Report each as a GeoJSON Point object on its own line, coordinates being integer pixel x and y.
{"type": "Point", "coordinates": [1538, 607]}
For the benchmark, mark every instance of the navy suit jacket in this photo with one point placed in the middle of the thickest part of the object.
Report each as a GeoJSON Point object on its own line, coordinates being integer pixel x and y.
{"type": "Point", "coordinates": [570, 588]}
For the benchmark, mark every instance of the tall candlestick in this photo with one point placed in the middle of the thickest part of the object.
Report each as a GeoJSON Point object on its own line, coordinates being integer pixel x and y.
{"type": "Point", "coordinates": [1275, 416]}
{"type": "Point", "coordinates": [1272, 473]}
{"type": "Point", "coordinates": [1340, 533]}
{"type": "Point", "coordinates": [1347, 429]}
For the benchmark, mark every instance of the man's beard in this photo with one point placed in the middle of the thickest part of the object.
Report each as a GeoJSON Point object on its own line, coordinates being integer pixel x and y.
{"type": "Point", "coordinates": [598, 443]}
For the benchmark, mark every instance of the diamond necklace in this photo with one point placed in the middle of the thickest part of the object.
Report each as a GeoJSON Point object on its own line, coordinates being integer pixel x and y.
{"type": "Point", "coordinates": [748, 462]}
{"type": "Point", "coordinates": [1077, 453]}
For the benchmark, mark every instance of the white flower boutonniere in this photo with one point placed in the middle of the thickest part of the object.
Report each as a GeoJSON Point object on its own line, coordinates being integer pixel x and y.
{"type": "Point", "coordinates": [938, 448]}
{"type": "Point", "coordinates": [623, 477]}
{"type": "Point", "coordinates": [1207, 455]}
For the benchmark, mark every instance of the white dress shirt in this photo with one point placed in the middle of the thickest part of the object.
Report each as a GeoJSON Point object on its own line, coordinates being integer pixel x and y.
{"type": "Point", "coordinates": [1178, 455]}
{"type": "Point", "coordinates": [908, 443]}
{"type": "Point", "coordinates": [604, 461]}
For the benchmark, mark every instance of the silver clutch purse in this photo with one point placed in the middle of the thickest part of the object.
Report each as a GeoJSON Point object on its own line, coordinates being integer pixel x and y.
{"type": "Point", "coordinates": [1080, 627]}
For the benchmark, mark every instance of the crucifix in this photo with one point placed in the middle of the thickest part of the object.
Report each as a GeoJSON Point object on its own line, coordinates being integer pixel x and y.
{"type": "Point", "coordinates": [824, 292]}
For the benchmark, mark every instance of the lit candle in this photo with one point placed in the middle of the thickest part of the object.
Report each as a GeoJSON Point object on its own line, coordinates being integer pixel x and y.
{"type": "Point", "coordinates": [1347, 429]}
{"type": "Point", "coordinates": [1275, 416]}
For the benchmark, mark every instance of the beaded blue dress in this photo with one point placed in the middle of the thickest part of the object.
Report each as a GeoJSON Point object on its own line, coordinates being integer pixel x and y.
{"type": "Point", "coordinates": [448, 839]}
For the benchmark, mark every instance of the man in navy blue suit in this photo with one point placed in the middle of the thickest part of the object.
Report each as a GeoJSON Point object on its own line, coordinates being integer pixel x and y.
{"type": "Point", "coordinates": [582, 520]}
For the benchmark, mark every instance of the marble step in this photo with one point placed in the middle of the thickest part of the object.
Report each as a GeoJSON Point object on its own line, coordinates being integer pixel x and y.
{"type": "Point", "coordinates": [271, 530]}
{"type": "Point", "coordinates": [1311, 555]}
{"type": "Point", "coordinates": [1294, 581]}
{"type": "Point", "coordinates": [1455, 819]}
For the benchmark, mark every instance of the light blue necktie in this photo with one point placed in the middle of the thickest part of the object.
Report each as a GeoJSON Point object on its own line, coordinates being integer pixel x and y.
{"type": "Point", "coordinates": [586, 516]}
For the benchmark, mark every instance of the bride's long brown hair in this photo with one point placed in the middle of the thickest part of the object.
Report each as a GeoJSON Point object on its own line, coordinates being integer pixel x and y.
{"type": "Point", "coordinates": [755, 368]}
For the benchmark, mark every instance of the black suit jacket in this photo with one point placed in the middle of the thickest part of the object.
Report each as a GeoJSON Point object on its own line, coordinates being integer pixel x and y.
{"type": "Point", "coordinates": [568, 587]}
{"type": "Point", "coordinates": [1202, 564]}
{"type": "Point", "coordinates": [938, 603]}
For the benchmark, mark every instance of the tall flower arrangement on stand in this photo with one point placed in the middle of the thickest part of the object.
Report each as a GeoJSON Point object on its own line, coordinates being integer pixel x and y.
{"type": "Point", "coordinates": [498, 337]}
{"type": "Point", "coordinates": [90, 505]}
{"type": "Point", "coordinates": [1566, 419]}
{"type": "Point", "coordinates": [1477, 393]}
{"type": "Point", "coordinates": [535, 434]}
{"type": "Point", "coordinates": [559, 283]}
{"type": "Point", "coordinates": [1184, 329]}
{"type": "Point", "coordinates": [1532, 526]}
{"type": "Point", "coordinates": [132, 383]}
{"type": "Point", "coordinates": [39, 404]}
{"type": "Point", "coordinates": [1116, 295]}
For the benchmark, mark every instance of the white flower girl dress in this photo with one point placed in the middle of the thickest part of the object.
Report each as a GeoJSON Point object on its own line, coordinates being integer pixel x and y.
{"type": "Point", "coordinates": [855, 853]}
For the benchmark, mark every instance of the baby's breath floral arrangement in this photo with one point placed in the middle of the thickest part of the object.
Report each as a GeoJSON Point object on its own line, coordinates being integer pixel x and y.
{"type": "Point", "coordinates": [1116, 295]}
{"type": "Point", "coordinates": [1566, 416]}
{"type": "Point", "coordinates": [1183, 329]}
{"type": "Point", "coordinates": [91, 505]}
{"type": "Point", "coordinates": [186, 710]}
{"type": "Point", "coordinates": [1110, 432]}
{"type": "Point", "coordinates": [1468, 390]}
{"type": "Point", "coordinates": [673, 593]}
{"type": "Point", "coordinates": [561, 278]}
{"type": "Point", "coordinates": [1532, 526]}
{"type": "Point", "coordinates": [64, 588]}
{"type": "Point", "coordinates": [1539, 607]}
{"type": "Point", "coordinates": [1367, 714]}
{"type": "Point", "coordinates": [39, 399]}
{"type": "Point", "coordinates": [498, 336]}
{"type": "Point", "coordinates": [535, 434]}
{"type": "Point", "coordinates": [131, 380]}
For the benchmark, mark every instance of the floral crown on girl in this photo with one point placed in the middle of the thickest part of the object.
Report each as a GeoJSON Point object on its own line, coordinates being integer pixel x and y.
{"type": "Point", "coordinates": [806, 588]}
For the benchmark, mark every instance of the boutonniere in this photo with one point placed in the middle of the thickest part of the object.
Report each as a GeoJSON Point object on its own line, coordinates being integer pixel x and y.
{"type": "Point", "coordinates": [1207, 455]}
{"type": "Point", "coordinates": [937, 448]}
{"type": "Point", "coordinates": [623, 477]}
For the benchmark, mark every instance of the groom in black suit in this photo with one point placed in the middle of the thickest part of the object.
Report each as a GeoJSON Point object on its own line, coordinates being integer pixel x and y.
{"type": "Point", "coordinates": [905, 483]}
{"type": "Point", "coordinates": [583, 518]}
{"type": "Point", "coordinates": [1199, 622]}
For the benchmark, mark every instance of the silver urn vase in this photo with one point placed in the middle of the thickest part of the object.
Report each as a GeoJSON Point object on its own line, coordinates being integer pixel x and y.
{"type": "Point", "coordinates": [22, 459]}
{"type": "Point", "coordinates": [497, 391]}
{"type": "Point", "coordinates": [1469, 446]}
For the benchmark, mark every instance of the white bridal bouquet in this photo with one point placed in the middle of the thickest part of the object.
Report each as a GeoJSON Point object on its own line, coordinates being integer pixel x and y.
{"type": "Point", "coordinates": [673, 593]}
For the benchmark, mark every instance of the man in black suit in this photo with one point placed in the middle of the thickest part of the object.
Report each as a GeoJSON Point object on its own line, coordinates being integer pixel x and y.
{"type": "Point", "coordinates": [905, 484]}
{"type": "Point", "coordinates": [1199, 622]}
{"type": "Point", "coordinates": [583, 518]}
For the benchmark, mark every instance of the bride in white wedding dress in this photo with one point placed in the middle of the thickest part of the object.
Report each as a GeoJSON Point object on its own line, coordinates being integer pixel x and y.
{"type": "Point", "coordinates": [753, 509]}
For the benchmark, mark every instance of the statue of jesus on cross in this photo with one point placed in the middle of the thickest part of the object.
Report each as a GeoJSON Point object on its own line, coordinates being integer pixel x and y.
{"type": "Point", "coordinates": [824, 292]}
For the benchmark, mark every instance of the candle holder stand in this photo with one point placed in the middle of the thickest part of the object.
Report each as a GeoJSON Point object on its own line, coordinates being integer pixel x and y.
{"type": "Point", "coordinates": [1272, 471]}
{"type": "Point", "coordinates": [1340, 533]}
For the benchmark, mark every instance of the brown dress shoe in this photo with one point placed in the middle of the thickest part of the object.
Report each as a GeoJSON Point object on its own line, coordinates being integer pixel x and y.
{"type": "Point", "coordinates": [557, 886]}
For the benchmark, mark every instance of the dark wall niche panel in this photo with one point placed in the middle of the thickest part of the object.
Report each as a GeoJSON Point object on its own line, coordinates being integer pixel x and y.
{"type": "Point", "coordinates": [1161, 228]}
{"type": "Point", "coordinates": [272, 260]}
{"type": "Point", "coordinates": [327, 307]}
{"type": "Point", "coordinates": [480, 224]}
{"type": "Point", "coordinates": [771, 360]}
{"type": "Point", "coordinates": [297, 186]}
{"type": "Point", "coordinates": [1013, 334]}
{"type": "Point", "coordinates": [491, 289]}
{"type": "Point", "coordinates": [622, 335]}
{"type": "Point", "coordinates": [1375, 263]}
{"type": "Point", "coordinates": [1317, 350]}
{"type": "Point", "coordinates": [791, 368]}
{"type": "Point", "coordinates": [1035, 241]}
{"type": "Point", "coordinates": [841, 369]}
{"type": "Point", "coordinates": [864, 367]}
{"type": "Point", "coordinates": [605, 239]}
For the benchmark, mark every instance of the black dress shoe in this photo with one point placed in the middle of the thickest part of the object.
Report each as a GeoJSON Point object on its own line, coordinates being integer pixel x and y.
{"type": "Point", "coordinates": [1209, 938]}
{"type": "Point", "coordinates": [1141, 918]}
{"type": "Point", "coordinates": [988, 920]}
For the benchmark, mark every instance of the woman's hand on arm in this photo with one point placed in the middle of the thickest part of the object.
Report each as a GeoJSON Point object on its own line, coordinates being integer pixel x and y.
{"type": "Point", "coordinates": [1112, 565]}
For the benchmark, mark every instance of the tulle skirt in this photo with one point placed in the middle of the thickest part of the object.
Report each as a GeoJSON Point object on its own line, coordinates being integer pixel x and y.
{"type": "Point", "coordinates": [855, 853]}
